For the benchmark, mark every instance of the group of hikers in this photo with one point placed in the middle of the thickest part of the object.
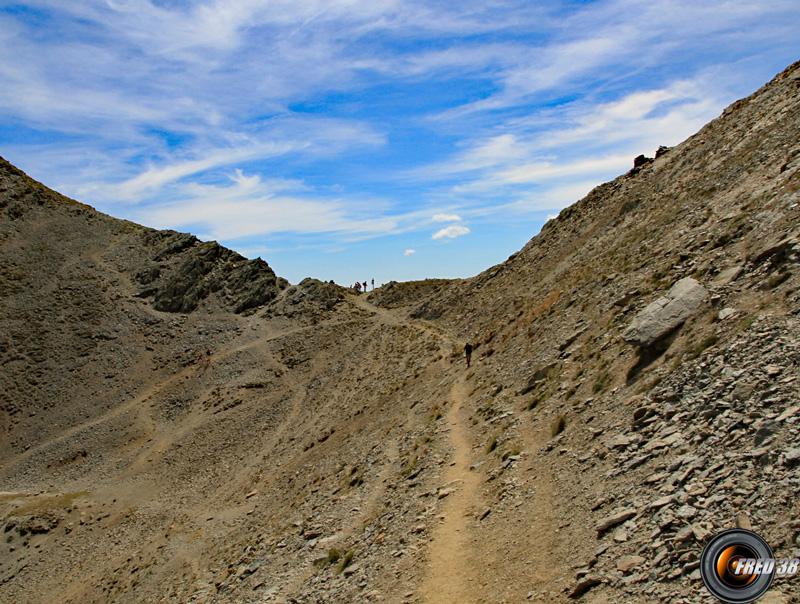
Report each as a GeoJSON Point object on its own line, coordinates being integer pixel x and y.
{"type": "Point", "coordinates": [358, 287]}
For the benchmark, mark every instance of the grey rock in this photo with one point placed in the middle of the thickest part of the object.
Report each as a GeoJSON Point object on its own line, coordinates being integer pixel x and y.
{"type": "Point", "coordinates": [665, 315]}
{"type": "Point", "coordinates": [538, 376]}
{"type": "Point", "coordinates": [583, 586]}
{"type": "Point", "coordinates": [614, 520]}
{"type": "Point", "coordinates": [687, 512]}
{"type": "Point", "coordinates": [729, 275]}
{"type": "Point", "coordinates": [351, 570]}
{"type": "Point", "coordinates": [621, 441]}
{"type": "Point", "coordinates": [628, 563]}
{"type": "Point", "coordinates": [792, 457]}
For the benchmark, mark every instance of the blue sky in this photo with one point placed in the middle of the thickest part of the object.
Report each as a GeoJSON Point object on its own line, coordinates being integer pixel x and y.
{"type": "Point", "coordinates": [359, 139]}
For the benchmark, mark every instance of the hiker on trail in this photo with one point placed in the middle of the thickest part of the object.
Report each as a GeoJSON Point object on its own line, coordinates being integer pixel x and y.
{"type": "Point", "coordinates": [357, 287]}
{"type": "Point", "coordinates": [468, 353]}
{"type": "Point", "coordinates": [373, 285]}
{"type": "Point", "coordinates": [204, 361]}
{"type": "Point", "coordinates": [365, 287]}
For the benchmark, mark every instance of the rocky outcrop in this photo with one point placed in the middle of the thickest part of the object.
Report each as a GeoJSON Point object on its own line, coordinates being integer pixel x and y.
{"type": "Point", "coordinates": [185, 271]}
{"type": "Point", "coordinates": [309, 299]}
{"type": "Point", "coordinates": [665, 315]}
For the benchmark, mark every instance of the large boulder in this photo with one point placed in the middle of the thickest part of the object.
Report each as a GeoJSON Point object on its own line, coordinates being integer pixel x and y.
{"type": "Point", "coordinates": [665, 315]}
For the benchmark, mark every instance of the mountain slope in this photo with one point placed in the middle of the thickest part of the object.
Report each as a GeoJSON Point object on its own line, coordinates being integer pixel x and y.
{"type": "Point", "coordinates": [548, 327]}
{"type": "Point", "coordinates": [333, 448]}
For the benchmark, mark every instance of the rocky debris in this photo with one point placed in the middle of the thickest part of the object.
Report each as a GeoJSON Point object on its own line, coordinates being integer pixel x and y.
{"type": "Point", "coordinates": [395, 295]}
{"type": "Point", "coordinates": [629, 563]}
{"type": "Point", "coordinates": [663, 316]}
{"type": "Point", "coordinates": [774, 596]}
{"type": "Point", "coordinates": [614, 520]}
{"type": "Point", "coordinates": [22, 527]}
{"type": "Point", "coordinates": [583, 586]}
{"type": "Point", "coordinates": [727, 276]}
{"type": "Point", "coordinates": [776, 253]}
{"type": "Point", "coordinates": [539, 376]}
{"type": "Point", "coordinates": [720, 423]}
{"type": "Point", "coordinates": [310, 299]}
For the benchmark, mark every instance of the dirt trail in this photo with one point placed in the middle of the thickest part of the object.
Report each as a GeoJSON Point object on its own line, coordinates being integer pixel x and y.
{"type": "Point", "coordinates": [450, 574]}
{"type": "Point", "coordinates": [137, 404]}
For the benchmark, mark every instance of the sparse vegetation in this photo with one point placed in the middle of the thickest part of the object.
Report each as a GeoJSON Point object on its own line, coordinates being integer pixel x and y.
{"type": "Point", "coordinates": [702, 345]}
{"type": "Point", "coordinates": [333, 555]}
{"type": "Point", "coordinates": [345, 561]}
{"type": "Point", "coordinates": [601, 382]}
{"type": "Point", "coordinates": [746, 322]}
{"type": "Point", "coordinates": [777, 279]}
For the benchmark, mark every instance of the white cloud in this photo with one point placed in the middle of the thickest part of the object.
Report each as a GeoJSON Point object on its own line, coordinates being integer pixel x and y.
{"type": "Point", "coordinates": [409, 252]}
{"type": "Point", "coordinates": [555, 157]}
{"type": "Point", "coordinates": [154, 178]}
{"type": "Point", "coordinates": [451, 232]}
{"type": "Point", "coordinates": [249, 206]}
{"type": "Point", "coordinates": [446, 218]}
{"type": "Point", "coordinates": [144, 105]}
{"type": "Point", "coordinates": [541, 172]}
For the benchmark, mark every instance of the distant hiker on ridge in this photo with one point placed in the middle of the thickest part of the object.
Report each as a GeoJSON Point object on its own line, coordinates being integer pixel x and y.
{"type": "Point", "coordinates": [365, 287]}
{"type": "Point", "coordinates": [373, 285]}
{"type": "Point", "coordinates": [357, 287]}
{"type": "Point", "coordinates": [468, 353]}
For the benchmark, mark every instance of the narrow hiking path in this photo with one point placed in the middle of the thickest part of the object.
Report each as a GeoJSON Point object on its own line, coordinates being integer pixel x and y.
{"type": "Point", "coordinates": [450, 575]}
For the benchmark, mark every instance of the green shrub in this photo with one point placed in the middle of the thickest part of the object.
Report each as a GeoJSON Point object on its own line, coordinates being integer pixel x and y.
{"type": "Point", "coordinates": [345, 561]}
{"type": "Point", "coordinates": [333, 555]}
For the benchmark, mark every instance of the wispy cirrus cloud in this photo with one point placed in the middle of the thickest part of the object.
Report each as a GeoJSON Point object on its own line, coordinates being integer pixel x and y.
{"type": "Point", "coordinates": [441, 217]}
{"type": "Point", "coordinates": [356, 120]}
{"type": "Point", "coordinates": [247, 206]}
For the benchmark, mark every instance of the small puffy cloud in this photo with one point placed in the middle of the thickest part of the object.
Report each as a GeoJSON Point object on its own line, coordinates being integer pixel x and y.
{"type": "Point", "coordinates": [446, 218]}
{"type": "Point", "coordinates": [451, 232]}
{"type": "Point", "coordinates": [409, 252]}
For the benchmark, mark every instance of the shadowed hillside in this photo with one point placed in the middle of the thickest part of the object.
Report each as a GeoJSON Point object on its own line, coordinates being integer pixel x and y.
{"type": "Point", "coordinates": [180, 425]}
